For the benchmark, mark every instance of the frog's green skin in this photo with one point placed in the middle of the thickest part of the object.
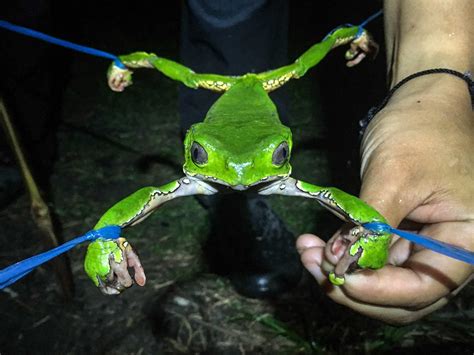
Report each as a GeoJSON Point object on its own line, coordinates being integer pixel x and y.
{"type": "Point", "coordinates": [240, 136]}
{"type": "Point", "coordinates": [96, 264]}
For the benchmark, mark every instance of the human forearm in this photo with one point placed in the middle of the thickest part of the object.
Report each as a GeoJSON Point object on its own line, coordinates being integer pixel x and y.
{"type": "Point", "coordinates": [424, 34]}
{"type": "Point", "coordinates": [417, 166]}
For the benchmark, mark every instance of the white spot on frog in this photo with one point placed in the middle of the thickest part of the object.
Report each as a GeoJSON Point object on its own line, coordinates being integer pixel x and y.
{"type": "Point", "coordinates": [238, 167]}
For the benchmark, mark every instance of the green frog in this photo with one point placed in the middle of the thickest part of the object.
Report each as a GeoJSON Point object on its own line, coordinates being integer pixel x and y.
{"type": "Point", "coordinates": [241, 145]}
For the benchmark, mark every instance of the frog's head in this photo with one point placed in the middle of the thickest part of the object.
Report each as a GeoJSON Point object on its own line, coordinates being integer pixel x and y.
{"type": "Point", "coordinates": [241, 142]}
{"type": "Point", "coordinates": [238, 155]}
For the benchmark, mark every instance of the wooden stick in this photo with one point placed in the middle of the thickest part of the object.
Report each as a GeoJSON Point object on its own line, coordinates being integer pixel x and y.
{"type": "Point", "coordinates": [39, 209]}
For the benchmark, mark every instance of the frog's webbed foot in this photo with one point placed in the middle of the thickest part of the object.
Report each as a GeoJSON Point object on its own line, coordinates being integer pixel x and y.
{"type": "Point", "coordinates": [119, 277]}
{"type": "Point", "coordinates": [118, 78]}
{"type": "Point", "coordinates": [360, 48]}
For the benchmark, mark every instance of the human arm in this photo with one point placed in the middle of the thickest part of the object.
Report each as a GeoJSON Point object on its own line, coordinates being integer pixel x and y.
{"type": "Point", "coordinates": [417, 167]}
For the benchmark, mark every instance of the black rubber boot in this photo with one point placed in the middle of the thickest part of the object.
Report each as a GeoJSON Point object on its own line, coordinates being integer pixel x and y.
{"type": "Point", "coordinates": [251, 245]}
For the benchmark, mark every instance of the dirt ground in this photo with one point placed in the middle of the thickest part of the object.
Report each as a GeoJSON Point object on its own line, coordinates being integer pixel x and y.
{"type": "Point", "coordinates": [112, 144]}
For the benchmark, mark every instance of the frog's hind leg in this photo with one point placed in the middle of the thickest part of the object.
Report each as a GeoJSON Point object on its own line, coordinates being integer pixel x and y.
{"type": "Point", "coordinates": [119, 78]}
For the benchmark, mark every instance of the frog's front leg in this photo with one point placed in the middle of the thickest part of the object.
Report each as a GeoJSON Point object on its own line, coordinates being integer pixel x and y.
{"type": "Point", "coordinates": [107, 262]}
{"type": "Point", "coordinates": [365, 249]}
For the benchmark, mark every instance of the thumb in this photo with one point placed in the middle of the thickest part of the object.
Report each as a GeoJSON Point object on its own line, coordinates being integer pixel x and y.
{"type": "Point", "coordinates": [390, 194]}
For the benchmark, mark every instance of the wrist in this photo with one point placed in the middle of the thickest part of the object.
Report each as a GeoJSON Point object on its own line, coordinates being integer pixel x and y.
{"type": "Point", "coordinates": [427, 34]}
{"type": "Point", "coordinates": [428, 106]}
{"type": "Point", "coordinates": [436, 91]}
{"type": "Point", "coordinates": [447, 90]}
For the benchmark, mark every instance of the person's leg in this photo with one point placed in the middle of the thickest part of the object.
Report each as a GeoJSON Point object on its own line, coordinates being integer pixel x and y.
{"type": "Point", "coordinates": [231, 38]}
{"type": "Point", "coordinates": [248, 242]}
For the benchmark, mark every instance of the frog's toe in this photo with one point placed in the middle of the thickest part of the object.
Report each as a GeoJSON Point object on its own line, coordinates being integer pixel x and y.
{"type": "Point", "coordinates": [338, 252]}
{"type": "Point", "coordinates": [134, 263]}
{"type": "Point", "coordinates": [336, 280]}
{"type": "Point", "coordinates": [346, 264]}
{"type": "Point", "coordinates": [118, 78]}
{"type": "Point", "coordinates": [119, 274]}
{"type": "Point", "coordinates": [117, 280]}
{"type": "Point", "coordinates": [363, 46]}
{"type": "Point", "coordinates": [122, 274]}
{"type": "Point", "coordinates": [108, 289]}
{"type": "Point", "coordinates": [358, 58]}
{"type": "Point", "coordinates": [117, 83]}
{"type": "Point", "coordinates": [341, 242]}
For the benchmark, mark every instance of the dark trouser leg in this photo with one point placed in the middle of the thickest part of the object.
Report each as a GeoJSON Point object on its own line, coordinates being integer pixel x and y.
{"type": "Point", "coordinates": [231, 38]}
{"type": "Point", "coordinates": [252, 246]}
{"type": "Point", "coordinates": [248, 242]}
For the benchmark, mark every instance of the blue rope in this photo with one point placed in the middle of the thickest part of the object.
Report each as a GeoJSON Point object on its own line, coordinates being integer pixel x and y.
{"type": "Point", "coordinates": [370, 18]}
{"type": "Point", "coordinates": [60, 42]}
{"type": "Point", "coordinates": [92, 51]}
{"type": "Point", "coordinates": [13, 273]}
{"type": "Point", "coordinates": [427, 242]}
{"type": "Point", "coordinates": [361, 26]}
{"type": "Point", "coordinates": [20, 269]}
{"type": "Point", "coordinates": [366, 21]}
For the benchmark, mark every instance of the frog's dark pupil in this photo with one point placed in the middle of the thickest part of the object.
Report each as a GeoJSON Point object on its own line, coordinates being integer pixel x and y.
{"type": "Point", "coordinates": [198, 154]}
{"type": "Point", "coordinates": [280, 154]}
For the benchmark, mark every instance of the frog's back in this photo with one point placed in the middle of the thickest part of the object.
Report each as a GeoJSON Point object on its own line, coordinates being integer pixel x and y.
{"type": "Point", "coordinates": [243, 119]}
{"type": "Point", "coordinates": [246, 102]}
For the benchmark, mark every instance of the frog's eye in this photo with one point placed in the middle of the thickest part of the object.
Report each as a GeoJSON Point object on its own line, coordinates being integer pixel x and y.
{"type": "Point", "coordinates": [281, 154]}
{"type": "Point", "coordinates": [198, 154]}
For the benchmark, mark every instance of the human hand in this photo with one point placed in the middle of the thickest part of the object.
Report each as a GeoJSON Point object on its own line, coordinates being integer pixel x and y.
{"type": "Point", "coordinates": [418, 171]}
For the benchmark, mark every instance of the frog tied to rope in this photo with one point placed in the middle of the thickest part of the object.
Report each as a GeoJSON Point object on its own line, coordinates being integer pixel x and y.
{"type": "Point", "coordinates": [241, 145]}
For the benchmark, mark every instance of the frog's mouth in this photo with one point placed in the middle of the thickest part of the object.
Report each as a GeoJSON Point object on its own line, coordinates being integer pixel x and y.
{"type": "Point", "coordinates": [218, 183]}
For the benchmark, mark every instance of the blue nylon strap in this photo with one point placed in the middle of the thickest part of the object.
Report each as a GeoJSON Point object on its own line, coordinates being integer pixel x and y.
{"type": "Point", "coordinates": [370, 18]}
{"type": "Point", "coordinates": [60, 42]}
{"type": "Point", "coordinates": [361, 26]}
{"type": "Point", "coordinates": [16, 271]}
{"type": "Point", "coordinates": [366, 21]}
{"type": "Point", "coordinates": [440, 247]}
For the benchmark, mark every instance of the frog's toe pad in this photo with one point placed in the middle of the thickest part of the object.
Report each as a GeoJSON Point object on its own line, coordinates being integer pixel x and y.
{"type": "Point", "coordinates": [134, 263]}
{"type": "Point", "coordinates": [336, 280]}
{"type": "Point", "coordinates": [119, 275]}
{"type": "Point", "coordinates": [107, 289]}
